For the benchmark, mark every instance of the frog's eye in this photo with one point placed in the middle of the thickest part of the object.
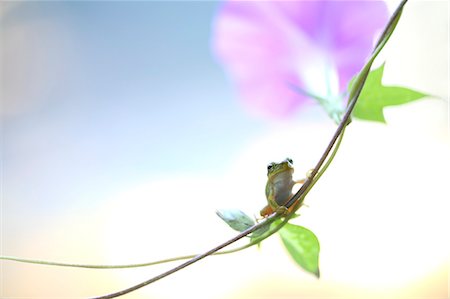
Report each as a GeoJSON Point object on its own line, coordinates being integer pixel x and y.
{"type": "Point", "coordinates": [269, 167]}
{"type": "Point", "coordinates": [290, 160]}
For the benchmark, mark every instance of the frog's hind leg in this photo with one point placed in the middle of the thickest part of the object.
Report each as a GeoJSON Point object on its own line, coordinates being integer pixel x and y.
{"type": "Point", "coordinates": [266, 211]}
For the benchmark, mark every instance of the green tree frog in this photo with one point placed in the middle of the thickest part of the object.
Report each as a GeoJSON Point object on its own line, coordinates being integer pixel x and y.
{"type": "Point", "coordinates": [279, 185]}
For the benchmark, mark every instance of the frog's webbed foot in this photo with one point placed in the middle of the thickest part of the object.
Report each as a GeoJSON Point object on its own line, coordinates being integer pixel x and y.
{"type": "Point", "coordinates": [260, 218]}
{"type": "Point", "coordinates": [282, 210]}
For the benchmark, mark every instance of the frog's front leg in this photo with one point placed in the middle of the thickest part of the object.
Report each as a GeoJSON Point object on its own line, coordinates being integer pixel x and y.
{"type": "Point", "coordinates": [300, 181]}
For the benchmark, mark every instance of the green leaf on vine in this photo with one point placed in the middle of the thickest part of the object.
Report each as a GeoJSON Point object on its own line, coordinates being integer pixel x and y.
{"type": "Point", "coordinates": [303, 246]}
{"type": "Point", "coordinates": [375, 96]}
{"type": "Point", "coordinates": [236, 219]}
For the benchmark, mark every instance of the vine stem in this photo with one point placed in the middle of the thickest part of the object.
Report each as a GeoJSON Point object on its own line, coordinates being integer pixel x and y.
{"type": "Point", "coordinates": [268, 220]}
{"type": "Point", "coordinates": [298, 198]}
{"type": "Point", "coordinates": [123, 266]}
{"type": "Point", "coordinates": [354, 95]}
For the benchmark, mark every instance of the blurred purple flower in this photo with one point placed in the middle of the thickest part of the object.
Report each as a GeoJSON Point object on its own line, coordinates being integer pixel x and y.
{"type": "Point", "coordinates": [270, 46]}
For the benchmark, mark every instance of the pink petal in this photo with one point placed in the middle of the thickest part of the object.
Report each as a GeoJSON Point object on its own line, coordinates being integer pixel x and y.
{"type": "Point", "coordinates": [269, 46]}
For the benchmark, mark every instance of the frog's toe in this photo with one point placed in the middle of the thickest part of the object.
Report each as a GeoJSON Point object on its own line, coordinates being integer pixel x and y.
{"type": "Point", "coordinates": [282, 210]}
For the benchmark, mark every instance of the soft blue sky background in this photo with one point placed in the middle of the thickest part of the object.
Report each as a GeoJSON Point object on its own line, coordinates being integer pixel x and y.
{"type": "Point", "coordinates": [124, 91]}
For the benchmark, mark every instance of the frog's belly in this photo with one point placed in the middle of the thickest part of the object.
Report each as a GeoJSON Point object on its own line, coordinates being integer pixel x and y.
{"type": "Point", "coordinates": [282, 193]}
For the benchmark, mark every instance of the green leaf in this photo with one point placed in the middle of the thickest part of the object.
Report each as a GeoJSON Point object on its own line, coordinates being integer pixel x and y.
{"type": "Point", "coordinates": [236, 219]}
{"type": "Point", "coordinates": [375, 96]}
{"type": "Point", "coordinates": [259, 232]}
{"type": "Point", "coordinates": [303, 246]}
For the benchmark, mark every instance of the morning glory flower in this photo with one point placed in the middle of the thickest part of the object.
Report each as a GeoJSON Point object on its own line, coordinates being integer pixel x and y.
{"type": "Point", "coordinates": [280, 53]}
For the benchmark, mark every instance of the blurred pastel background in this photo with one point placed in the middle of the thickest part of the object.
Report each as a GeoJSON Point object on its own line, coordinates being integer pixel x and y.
{"type": "Point", "coordinates": [121, 134]}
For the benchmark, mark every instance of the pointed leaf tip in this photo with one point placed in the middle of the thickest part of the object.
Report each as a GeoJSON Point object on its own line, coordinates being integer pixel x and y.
{"type": "Point", "coordinates": [375, 97]}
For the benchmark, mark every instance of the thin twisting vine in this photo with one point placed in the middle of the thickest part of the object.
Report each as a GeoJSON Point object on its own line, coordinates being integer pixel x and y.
{"type": "Point", "coordinates": [316, 173]}
{"type": "Point", "coordinates": [296, 200]}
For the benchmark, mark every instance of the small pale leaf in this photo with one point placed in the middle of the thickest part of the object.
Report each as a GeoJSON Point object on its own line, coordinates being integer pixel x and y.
{"type": "Point", "coordinates": [236, 219]}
